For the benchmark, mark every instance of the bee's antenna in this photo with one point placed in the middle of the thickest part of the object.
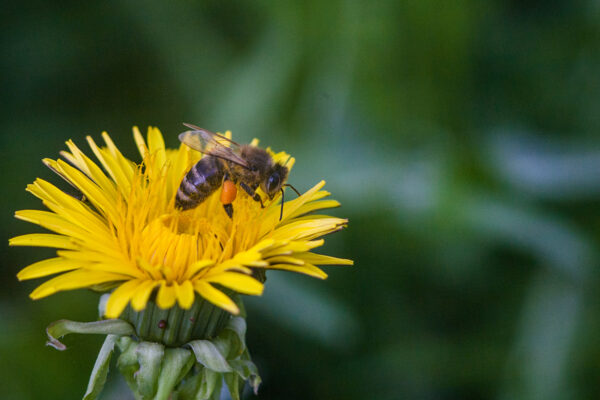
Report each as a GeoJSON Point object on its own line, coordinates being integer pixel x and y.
{"type": "Point", "coordinates": [282, 198]}
{"type": "Point", "coordinates": [293, 188]}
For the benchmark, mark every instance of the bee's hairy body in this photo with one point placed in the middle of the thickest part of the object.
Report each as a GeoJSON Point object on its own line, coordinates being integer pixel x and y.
{"type": "Point", "coordinates": [207, 175]}
{"type": "Point", "coordinates": [200, 182]}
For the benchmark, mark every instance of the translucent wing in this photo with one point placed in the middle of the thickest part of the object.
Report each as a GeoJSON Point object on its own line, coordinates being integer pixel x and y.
{"type": "Point", "coordinates": [212, 144]}
{"type": "Point", "coordinates": [220, 138]}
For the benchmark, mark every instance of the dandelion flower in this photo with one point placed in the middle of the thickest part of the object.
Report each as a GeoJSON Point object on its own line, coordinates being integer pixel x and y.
{"type": "Point", "coordinates": [125, 234]}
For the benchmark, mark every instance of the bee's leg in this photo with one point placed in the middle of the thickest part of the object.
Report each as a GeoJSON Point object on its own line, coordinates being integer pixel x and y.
{"type": "Point", "coordinates": [252, 193]}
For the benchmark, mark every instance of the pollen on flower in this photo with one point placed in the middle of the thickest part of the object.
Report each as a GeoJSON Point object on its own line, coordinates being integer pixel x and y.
{"type": "Point", "coordinates": [127, 234]}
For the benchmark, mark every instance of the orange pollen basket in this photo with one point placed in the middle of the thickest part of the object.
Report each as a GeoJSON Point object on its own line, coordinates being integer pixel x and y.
{"type": "Point", "coordinates": [228, 192]}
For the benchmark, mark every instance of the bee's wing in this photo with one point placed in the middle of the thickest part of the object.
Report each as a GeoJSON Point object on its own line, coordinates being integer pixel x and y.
{"type": "Point", "coordinates": [212, 144]}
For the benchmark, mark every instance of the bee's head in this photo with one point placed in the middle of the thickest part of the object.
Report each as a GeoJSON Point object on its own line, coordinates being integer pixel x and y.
{"type": "Point", "coordinates": [275, 178]}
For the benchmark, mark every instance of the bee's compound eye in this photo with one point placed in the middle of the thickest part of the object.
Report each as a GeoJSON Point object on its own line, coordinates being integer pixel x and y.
{"type": "Point", "coordinates": [273, 182]}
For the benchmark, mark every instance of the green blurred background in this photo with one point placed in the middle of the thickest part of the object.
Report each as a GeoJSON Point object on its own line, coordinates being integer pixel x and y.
{"type": "Point", "coordinates": [462, 139]}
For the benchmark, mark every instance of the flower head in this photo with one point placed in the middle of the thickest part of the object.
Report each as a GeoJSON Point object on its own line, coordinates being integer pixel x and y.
{"type": "Point", "coordinates": [126, 233]}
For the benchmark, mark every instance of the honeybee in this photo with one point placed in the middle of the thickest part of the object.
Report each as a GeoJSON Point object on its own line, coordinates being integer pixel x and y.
{"type": "Point", "coordinates": [227, 164]}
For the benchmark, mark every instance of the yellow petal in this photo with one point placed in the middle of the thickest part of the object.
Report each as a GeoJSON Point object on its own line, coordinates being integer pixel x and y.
{"type": "Point", "coordinates": [248, 258]}
{"type": "Point", "coordinates": [140, 142]}
{"type": "Point", "coordinates": [238, 282]}
{"type": "Point", "coordinates": [80, 278]}
{"type": "Point", "coordinates": [66, 227]}
{"type": "Point", "coordinates": [228, 267]}
{"type": "Point", "coordinates": [180, 165]}
{"type": "Point", "coordinates": [307, 269]}
{"type": "Point", "coordinates": [69, 208]}
{"type": "Point", "coordinates": [92, 192]}
{"type": "Point", "coordinates": [118, 267]}
{"type": "Point", "coordinates": [156, 145]}
{"type": "Point", "coordinates": [126, 166]}
{"type": "Point", "coordinates": [308, 229]}
{"type": "Point", "coordinates": [48, 192]}
{"type": "Point", "coordinates": [166, 295]}
{"type": "Point", "coordinates": [272, 214]}
{"type": "Point", "coordinates": [185, 294]}
{"type": "Point", "coordinates": [314, 206]}
{"type": "Point", "coordinates": [149, 268]}
{"type": "Point", "coordinates": [91, 169]}
{"type": "Point", "coordinates": [48, 267]}
{"type": "Point", "coordinates": [286, 260]}
{"type": "Point", "coordinates": [216, 297]}
{"type": "Point", "coordinates": [319, 195]}
{"type": "Point", "coordinates": [293, 247]}
{"type": "Point", "coordinates": [320, 259]}
{"type": "Point", "coordinates": [120, 297]}
{"type": "Point", "coordinates": [142, 294]}
{"type": "Point", "coordinates": [52, 222]}
{"type": "Point", "coordinates": [43, 240]}
{"type": "Point", "coordinates": [282, 158]}
{"type": "Point", "coordinates": [112, 166]}
{"type": "Point", "coordinates": [196, 267]}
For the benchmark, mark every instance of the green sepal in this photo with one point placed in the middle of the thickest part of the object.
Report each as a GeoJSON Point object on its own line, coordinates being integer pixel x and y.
{"type": "Point", "coordinates": [100, 370]}
{"type": "Point", "coordinates": [196, 371]}
{"type": "Point", "coordinates": [149, 356]}
{"type": "Point", "coordinates": [247, 370]}
{"type": "Point", "coordinates": [208, 354]}
{"type": "Point", "coordinates": [233, 384]}
{"type": "Point", "coordinates": [210, 385]}
{"type": "Point", "coordinates": [63, 327]}
{"type": "Point", "coordinates": [175, 365]}
{"type": "Point", "coordinates": [189, 387]}
{"type": "Point", "coordinates": [234, 334]}
{"type": "Point", "coordinates": [254, 378]}
{"type": "Point", "coordinates": [127, 362]}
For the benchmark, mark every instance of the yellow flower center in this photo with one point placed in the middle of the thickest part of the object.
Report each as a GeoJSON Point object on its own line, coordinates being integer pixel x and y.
{"type": "Point", "coordinates": [172, 241]}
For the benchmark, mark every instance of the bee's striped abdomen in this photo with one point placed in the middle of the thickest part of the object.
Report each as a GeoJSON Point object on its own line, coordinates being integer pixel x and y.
{"type": "Point", "coordinates": [200, 182]}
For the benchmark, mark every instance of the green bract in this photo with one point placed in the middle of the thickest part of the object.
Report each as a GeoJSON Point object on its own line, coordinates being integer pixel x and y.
{"type": "Point", "coordinates": [154, 371]}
